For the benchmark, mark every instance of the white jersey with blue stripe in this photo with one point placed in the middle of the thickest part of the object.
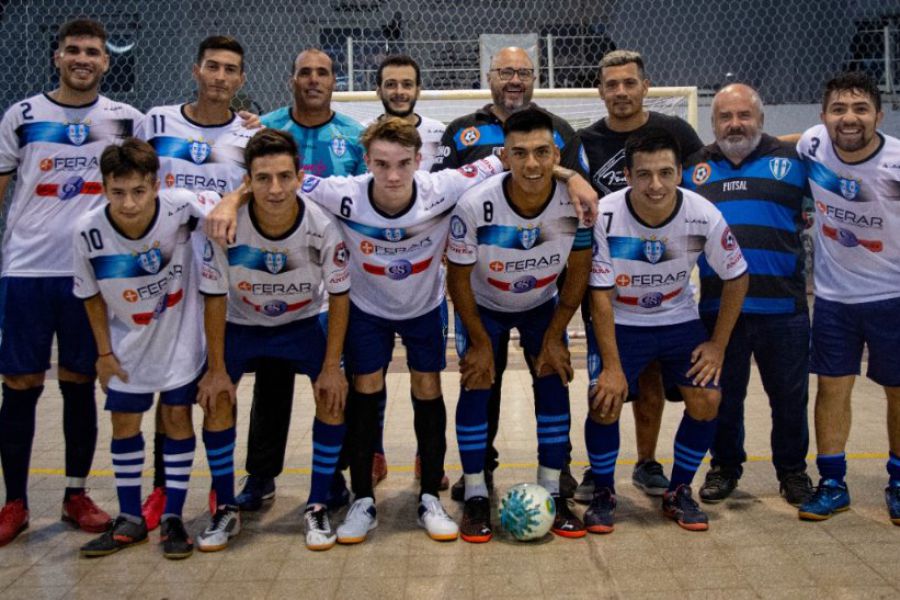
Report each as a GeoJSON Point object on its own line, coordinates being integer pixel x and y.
{"type": "Point", "coordinates": [517, 259]}
{"type": "Point", "coordinates": [857, 247]}
{"type": "Point", "coordinates": [650, 267]}
{"type": "Point", "coordinates": [150, 288]}
{"type": "Point", "coordinates": [395, 260]}
{"type": "Point", "coordinates": [55, 151]}
{"type": "Point", "coordinates": [273, 282]}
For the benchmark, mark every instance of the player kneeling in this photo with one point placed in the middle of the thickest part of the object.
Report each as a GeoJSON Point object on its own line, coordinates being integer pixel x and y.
{"type": "Point", "coordinates": [134, 268]}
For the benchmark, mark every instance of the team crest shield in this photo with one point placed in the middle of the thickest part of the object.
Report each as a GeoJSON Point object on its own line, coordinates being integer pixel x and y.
{"type": "Point", "coordinates": [849, 188]}
{"type": "Point", "coordinates": [150, 260]}
{"type": "Point", "coordinates": [529, 236]}
{"type": "Point", "coordinates": [199, 151]}
{"type": "Point", "coordinates": [779, 167]}
{"type": "Point", "coordinates": [654, 250]}
{"type": "Point", "coordinates": [339, 146]}
{"type": "Point", "coordinates": [393, 234]}
{"type": "Point", "coordinates": [77, 133]}
{"type": "Point", "coordinates": [275, 262]}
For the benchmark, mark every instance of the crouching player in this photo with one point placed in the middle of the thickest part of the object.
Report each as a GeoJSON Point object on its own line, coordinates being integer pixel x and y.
{"type": "Point", "coordinates": [647, 240]}
{"type": "Point", "coordinates": [264, 294]}
{"type": "Point", "coordinates": [134, 268]}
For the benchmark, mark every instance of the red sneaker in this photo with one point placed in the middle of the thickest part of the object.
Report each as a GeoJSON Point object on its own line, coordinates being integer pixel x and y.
{"type": "Point", "coordinates": [445, 481]}
{"type": "Point", "coordinates": [379, 468]}
{"type": "Point", "coordinates": [81, 511]}
{"type": "Point", "coordinates": [13, 521]}
{"type": "Point", "coordinates": [213, 502]}
{"type": "Point", "coordinates": [153, 507]}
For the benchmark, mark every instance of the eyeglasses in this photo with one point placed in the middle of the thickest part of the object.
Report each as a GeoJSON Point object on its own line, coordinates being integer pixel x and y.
{"type": "Point", "coordinates": [507, 74]}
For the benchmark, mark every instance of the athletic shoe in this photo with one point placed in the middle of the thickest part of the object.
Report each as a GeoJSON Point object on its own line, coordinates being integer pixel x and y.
{"type": "Point", "coordinates": [458, 491]}
{"type": "Point", "coordinates": [796, 488]}
{"type": "Point", "coordinates": [679, 505]}
{"type": "Point", "coordinates": [338, 495]}
{"type": "Point", "coordinates": [256, 491]}
{"type": "Point", "coordinates": [584, 493]}
{"type": "Point", "coordinates": [892, 498]}
{"type": "Point", "coordinates": [600, 516]}
{"type": "Point", "coordinates": [360, 520]}
{"type": "Point", "coordinates": [319, 532]}
{"type": "Point", "coordinates": [153, 507]}
{"type": "Point", "coordinates": [830, 497]}
{"type": "Point", "coordinates": [177, 544]}
{"type": "Point", "coordinates": [13, 521]}
{"type": "Point", "coordinates": [213, 502]}
{"type": "Point", "coordinates": [565, 523]}
{"type": "Point", "coordinates": [648, 477]}
{"type": "Point", "coordinates": [476, 521]}
{"type": "Point", "coordinates": [81, 511]}
{"type": "Point", "coordinates": [379, 468]}
{"type": "Point", "coordinates": [567, 483]}
{"type": "Point", "coordinates": [718, 485]}
{"type": "Point", "coordinates": [123, 534]}
{"type": "Point", "coordinates": [224, 525]}
{"type": "Point", "coordinates": [435, 520]}
{"type": "Point", "coordinates": [445, 481]}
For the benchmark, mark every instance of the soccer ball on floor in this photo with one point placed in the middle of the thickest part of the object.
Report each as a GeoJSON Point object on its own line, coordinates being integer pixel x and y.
{"type": "Point", "coordinates": [527, 511]}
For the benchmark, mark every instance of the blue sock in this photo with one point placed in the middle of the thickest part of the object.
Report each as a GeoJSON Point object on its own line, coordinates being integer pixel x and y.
{"type": "Point", "coordinates": [832, 466]}
{"type": "Point", "coordinates": [603, 449]}
{"type": "Point", "coordinates": [893, 468]}
{"type": "Point", "coordinates": [178, 456]}
{"type": "Point", "coordinates": [17, 418]}
{"type": "Point", "coordinates": [378, 447]}
{"type": "Point", "coordinates": [472, 429]}
{"type": "Point", "coordinates": [692, 441]}
{"type": "Point", "coordinates": [128, 463]}
{"type": "Point", "coordinates": [80, 430]}
{"type": "Point", "coordinates": [220, 456]}
{"type": "Point", "coordinates": [327, 441]}
{"type": "Point", "coordinates": [552, 402]}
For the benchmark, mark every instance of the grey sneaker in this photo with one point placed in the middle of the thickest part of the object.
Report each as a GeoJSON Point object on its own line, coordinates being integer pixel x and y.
{"type": "Point", "coordinates": [648, 477]}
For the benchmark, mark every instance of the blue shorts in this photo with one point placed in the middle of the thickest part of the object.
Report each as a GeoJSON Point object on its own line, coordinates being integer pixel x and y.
{"type": "Point", "coordinates": [370, 341]}
{"type": "Point", "coordinates": [532, 325]}
{"type": "Point", "coordinates": [840, 330]}
{"type": "Point", "coordinates": [32, 310]}
{"type": "Point", "coordinates": [300, 343]}
{"type": "Point", "coordinates": [671, 345]}
{"type": "Point", "coordinates": [128, 402]}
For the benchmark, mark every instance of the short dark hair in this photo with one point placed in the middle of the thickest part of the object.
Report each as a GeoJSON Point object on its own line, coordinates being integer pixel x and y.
{"type": "Point", "coordinates": [269, 142]}
{"type": "Point", "coordinates": [527, 120]}
{"type": "Point", "coordinates": [853, 81]}
{"type": "Point", "coordinates": [652, 139]}
{"type": "Point", "coordinates": [133, 156]}
{"type": "Point", "coordinates": [391, 129]}
{"type": "Point", "coordinates": [398, 60]}
{"type": "Point", "coordinates": [620, 58]}
{"type": "Point", "coordinates": [81, 27]}
{"type": "Point", "coordinates": [220, 42]}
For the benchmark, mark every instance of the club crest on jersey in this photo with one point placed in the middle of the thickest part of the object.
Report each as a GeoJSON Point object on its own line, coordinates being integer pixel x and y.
{"type": "Point", "coordinates": [849, 188]}
{"type": "Point", "coordinates": [150, 259]}
{"type": "Point", "coordinates": [77, 132]}
{"type": "Point", "coordinates": [457, 228]}
{"type": "Point", "coordinates": [779, 167]}
{"type": "Point", "coordinates": [199, 151]}
{"type": "Point", "coordinates": [393, 234]}
{"type": "Point", "coordinates": [275, 262]}
{"type": "Point", "coordinates": [339, 146]}
{"type": "Point", "coordinates": [728, 241]}
{"type": "Point", "coordinates": [529, 235]}
{"type": "Point", "coordinates": [469, 136]}
{"type": "Point", "coordinates": [701, 173]}
{"type": "Point", "coordinates": [654, 250]}
{"type": "Point", "coordinates": [207, 251]}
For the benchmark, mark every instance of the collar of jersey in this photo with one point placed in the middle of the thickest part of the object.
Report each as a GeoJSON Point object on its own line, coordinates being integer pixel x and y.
{"type": "Point", "coordinates": [679, 200]}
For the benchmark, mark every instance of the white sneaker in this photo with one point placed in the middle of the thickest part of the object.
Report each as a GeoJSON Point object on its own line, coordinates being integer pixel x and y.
{"type": "Point", "coordinates": [435, 520]}
{"type": "Point", "coordinates": [319, 533]}
{"type": "Point", "coordinates": [225, 524]}
{"type": "Point", "coordinates": [360, 520]}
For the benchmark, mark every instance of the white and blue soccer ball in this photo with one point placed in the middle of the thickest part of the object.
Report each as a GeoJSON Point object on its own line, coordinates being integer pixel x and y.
{"type": "Point", "coordinates": [527, 511]}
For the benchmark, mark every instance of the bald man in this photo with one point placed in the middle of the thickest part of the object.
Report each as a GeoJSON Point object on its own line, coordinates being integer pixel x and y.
{"type": "Point", "coordinates": [758, 182]}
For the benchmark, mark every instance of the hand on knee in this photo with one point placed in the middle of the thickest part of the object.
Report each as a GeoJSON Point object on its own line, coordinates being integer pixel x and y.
{"type": "Point", "coordinates": [327, 416]}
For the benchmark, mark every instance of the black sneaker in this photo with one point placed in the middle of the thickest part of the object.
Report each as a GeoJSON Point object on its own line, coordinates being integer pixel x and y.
{"type": "Point", "coordinates": [718, 485]}
{"type": "Point", "coordinates": [565, 523]}
{"type": "Point", "coordinates": [476, 521]}
{"type": "Point", "coordinates": [567, 483]}
{"type": "Point", "coordinates": [177, 544]}
{"type": "Point", "coordinates": [256, 491]}
{"type": "Point", "coordinates": [600, 516]}
{"type": "Point", "coordinates": [123, 534]}
{"type": "Point", "coordinates": [679, 505]}
{"type": "Point", "coordinates": [648, 476]}
{"type": "Point", "coordinates": [458, 491]}
{"type": "Point", "coordinates": [796, 487]}
{"type": "Point", "coordinates": [584, 493]}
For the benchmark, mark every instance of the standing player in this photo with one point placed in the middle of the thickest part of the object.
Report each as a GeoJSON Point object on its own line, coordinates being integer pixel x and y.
{"type": "Point", "coordinates": [623, 86]}
{"type": "Point", "coordinates": [286, 255]}
{"type": "Point", "coordinates": [647, 241]}
{"type": "Point", "coordinates": [854, 175]}
{"type": "Point", "coordinates": [200, 145]}
{"type": "Point", "coordinates": [758, 183]}
{"type": "Point", "coordinates": [53, 142]}
{"type": "Point", "coordinates": [135, 271]}
{"type": "Point", "coordinates": [510, 239]}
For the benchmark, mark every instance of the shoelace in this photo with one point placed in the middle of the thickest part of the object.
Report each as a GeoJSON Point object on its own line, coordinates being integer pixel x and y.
{"type": "Point", "coordinates": [435, 507]}
{"type": "Point", "coordinates": [316, 519]}
{"type": "Point", "coordinates": [218, 519]}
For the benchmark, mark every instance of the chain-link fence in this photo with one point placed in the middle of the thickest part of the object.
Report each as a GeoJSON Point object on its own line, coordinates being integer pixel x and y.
{"type": "Point", "coordinates": [786, 48]}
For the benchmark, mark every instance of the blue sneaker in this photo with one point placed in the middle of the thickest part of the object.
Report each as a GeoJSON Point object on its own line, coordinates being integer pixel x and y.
{"type": "Point", "coordinates": [892, 497]}
{"type": "Point", "coordinates": [256, 491]}
{"type": "Point", "coordinates": [830, 497]}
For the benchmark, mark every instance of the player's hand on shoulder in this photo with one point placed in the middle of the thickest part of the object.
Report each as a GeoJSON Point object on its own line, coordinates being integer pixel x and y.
{"type": "Point", "coordinates": [707, 359]}
{"type": "Point", "coordinates": [330, 390]}
{"type": "Point", "coordinates": [249, 120]}
{"type": "Point", "coordinates": [221, 223]}
{"type": "Point", "coordinates": [610, 392]}
{"type": "Point", "coordinates": [108, 367]}
{"type": "Point", "coordinates": [212, 385]}
{"type": "Point", "coordinates": [584, 198]}
{"type": "Point", "coordinates": [554, 358]}
{"type": "Point", "coordinates": [476, 369]}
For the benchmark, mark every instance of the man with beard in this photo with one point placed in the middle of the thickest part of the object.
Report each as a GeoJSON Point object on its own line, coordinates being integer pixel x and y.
{"type": "Point", "coordinates": [854, 176]}
{"type": "Point", "coordinates": [758, 182]}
